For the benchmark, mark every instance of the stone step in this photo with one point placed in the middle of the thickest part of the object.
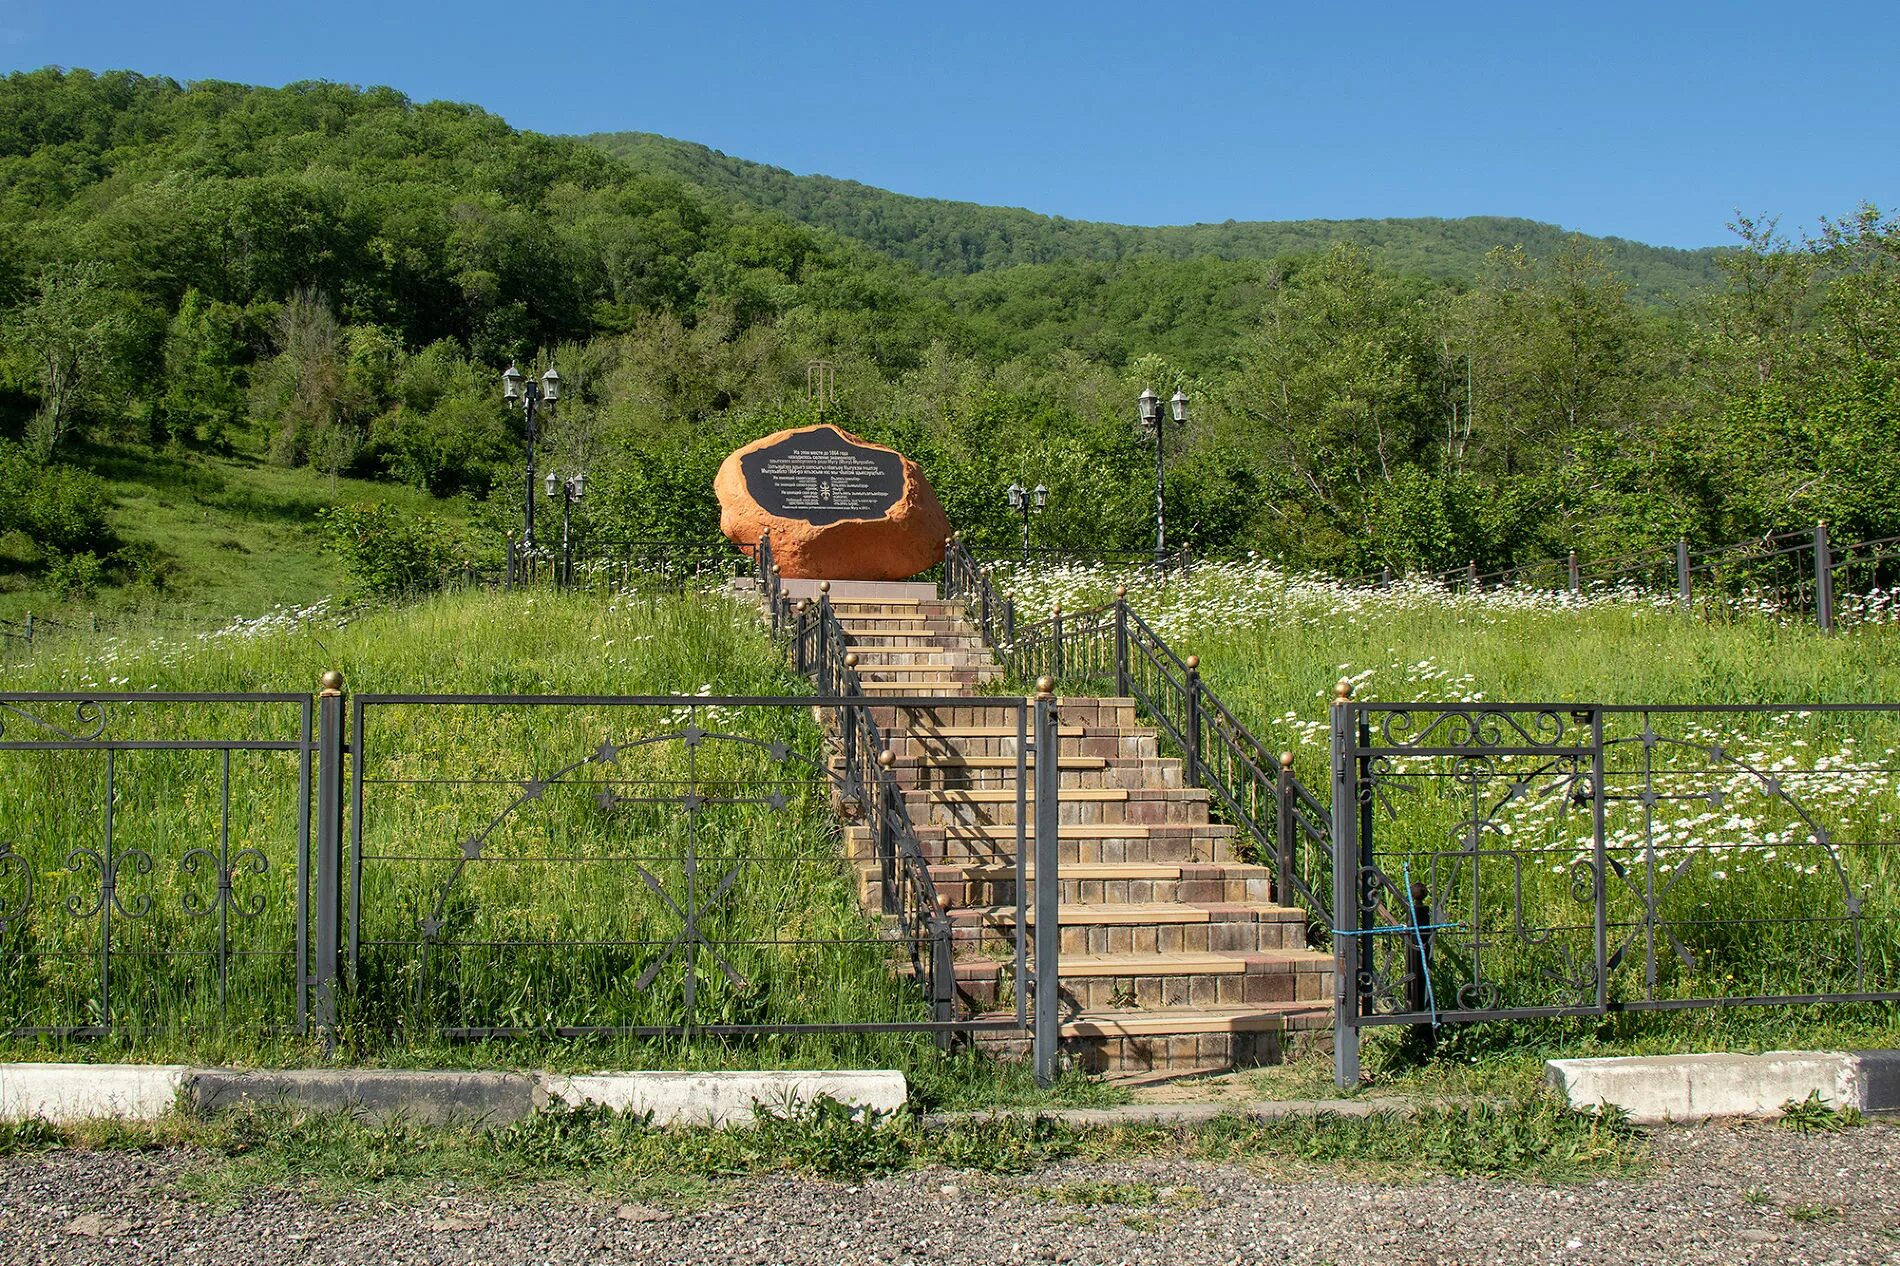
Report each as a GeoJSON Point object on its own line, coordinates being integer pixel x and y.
{"type": "Point", "coordinates": [1104, 713]}
{"type": "Point", "coordinates": [993, 883]}
{"type": "Point", "coordinates": [1075, 806]}
{"type": "Point", "coordinates": [873, 657]}
{"type": "Point", "coordinates": [1178, 1040]}
{"type": "Point", "coordinates": [1119, 982]}
{"type": "Point", "coordinates": [1159, 927]}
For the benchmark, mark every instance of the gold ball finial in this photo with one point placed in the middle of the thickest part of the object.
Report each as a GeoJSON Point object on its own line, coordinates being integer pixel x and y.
{"type": "Point", "coordinates": [824, 586]}
{"type": "Point", "coordinates": [887, 758]}
{"type": "Point", "coordinates": [851, 659]}
{"type": "Point", "coordinates": [1056, 610]}
{"type": "Point", "coordinates": [943, 902]}
{"type": "Point", "coordinates": [1286, 760]}
{"type": "Point", "coordinates": [957, 535]}
{"type": "Point", "coordinates": [1343, 691]}
{"type": "Point", "coordinates": [1045, 685]}
{"type": "Point", "coordinates": [332, 682]}
{"type": "Point", "coordinates": [1121, 591]}
{"type": "Point", "coordinates": [799, 606]}
{"type": "Point", "coordinates": [1194, 663]}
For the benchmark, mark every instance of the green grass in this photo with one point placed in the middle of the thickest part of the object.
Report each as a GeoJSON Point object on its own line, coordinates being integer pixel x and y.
{"type": "Point", "coordinates": [330, 1155]}
{"type": "Point", "coordinates": [169, 803]}
{"type": "Point", "coordinates": [234, 535]}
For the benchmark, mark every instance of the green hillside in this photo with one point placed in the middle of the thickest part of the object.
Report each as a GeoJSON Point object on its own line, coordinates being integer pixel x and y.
{"type": "Point", "coordinates": [948, 238]}
{"type": "Point", "coordinates": [232, 318]}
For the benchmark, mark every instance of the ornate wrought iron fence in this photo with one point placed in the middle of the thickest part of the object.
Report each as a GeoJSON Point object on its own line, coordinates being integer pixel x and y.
{"type": "Point", "coordinates": [1512, 861]}
{"type": "Point", "coordinates": [600, 564]}
{"type": "Point", "coordinates": [156, 867]}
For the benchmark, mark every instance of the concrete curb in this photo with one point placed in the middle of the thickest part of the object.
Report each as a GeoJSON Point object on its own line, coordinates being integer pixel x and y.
{"type": "Point", "coordinates": [376, 1094]}
{"type": "Point", "coordinates": [1656, 1089]}
{"type": "Point", "coordinates": [723, 1098]}
{"type": "Point", "coordinates": [76, 1092]}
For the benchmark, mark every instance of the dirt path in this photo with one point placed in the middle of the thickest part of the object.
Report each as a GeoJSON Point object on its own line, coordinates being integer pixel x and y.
{"type": "Point", "coordinates": [1753, 1194]}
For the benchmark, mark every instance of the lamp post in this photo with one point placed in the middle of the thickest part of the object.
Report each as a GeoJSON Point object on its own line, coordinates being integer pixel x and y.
{"type": "Point", "coordinates": [1152, 419]}
{"type": "Point", "coordinates": [515, 387]}
{"type": "Point", "coordinates": [1024, 501]}
{"type": "Point", "coordinates": [569, 488]}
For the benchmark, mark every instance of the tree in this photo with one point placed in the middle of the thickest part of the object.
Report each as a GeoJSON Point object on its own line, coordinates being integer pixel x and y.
{"type": "Point", "coordinates": [1333, 389]}
{"type": "Point", "coordinates": [69, 336]}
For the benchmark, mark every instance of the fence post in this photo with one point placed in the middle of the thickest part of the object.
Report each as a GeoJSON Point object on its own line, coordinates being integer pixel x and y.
{"type": "Point", "coordinates": [508, 574]}
{"type": "Point", "coordinates": [329, 877]}
{"type": "Point", "coordinates": [1682, 571]}
{"type": "Point", "coordinates": [798, 638]}
{"type": "Point", "coordinates": [1193, 727]}
{"type": "Point", "coordinates": [1048, 931]}
{"type": "Point", "coordinates": [1417, 994]}
{"type": "Point", "coordinates": [1346, 921]}
{"type": "Point", "coordinates": [1009, 623]}
{"type": "Point", "coordinates": [1471, 576]}
{"type": "Point", "coordinates": [1385, 577]}
{"type": "Point", "coordinates": [871, 786]}
{"type": "Point", "coordinates": [943, 974]}
{"type": "Point", "coordinates": [1823, 579]}
{"type": "Point", "coordinates": [1575, 578]}
{"type": "Point", "coordinates": [29, 628]}
{"type": "Point", "coordinates": [1055, 651]}
{"type": "Point", "coordinates": [1284, 852]}
{"type": "Point", "coordinates": [826, 686]}
{"type": "Point", "coordinates": [1121, 641]}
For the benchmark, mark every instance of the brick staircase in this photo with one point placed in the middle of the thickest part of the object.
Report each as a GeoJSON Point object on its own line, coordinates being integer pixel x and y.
{"type": "Point", "coordinates": [1174, 956]}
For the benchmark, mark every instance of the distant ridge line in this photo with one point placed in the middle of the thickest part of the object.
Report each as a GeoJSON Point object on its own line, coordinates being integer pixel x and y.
{"type": "Point", "coordinates": [950, 237]}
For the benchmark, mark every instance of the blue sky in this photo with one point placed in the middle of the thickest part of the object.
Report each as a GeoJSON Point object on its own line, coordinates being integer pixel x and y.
{"type": "Point", "coordinates": [1654, 121]}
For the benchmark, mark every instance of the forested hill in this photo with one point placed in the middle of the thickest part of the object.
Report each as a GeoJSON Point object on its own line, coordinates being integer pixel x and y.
{"type": "Point", "coordinates": [947, 237]}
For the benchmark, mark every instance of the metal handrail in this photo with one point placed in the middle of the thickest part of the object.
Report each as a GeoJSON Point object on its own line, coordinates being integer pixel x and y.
{"type": "Point", "coordinates": [818, 644]}
{"type": "Point", "coordinates": [1113, 645]}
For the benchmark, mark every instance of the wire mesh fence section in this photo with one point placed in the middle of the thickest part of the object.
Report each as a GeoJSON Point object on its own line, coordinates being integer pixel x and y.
{"type": "Point", "coordinates": [629, 866]}
{"type": "Point", "coordinates": [155, 863]}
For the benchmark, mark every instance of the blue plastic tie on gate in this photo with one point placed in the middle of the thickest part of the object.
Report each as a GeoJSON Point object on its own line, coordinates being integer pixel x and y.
{"type": "Point", "coordinates": [1418, 937]}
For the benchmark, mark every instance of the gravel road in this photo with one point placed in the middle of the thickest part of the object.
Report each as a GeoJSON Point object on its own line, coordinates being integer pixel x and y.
{"type": "Point", "coordinates": [1741, 1194]}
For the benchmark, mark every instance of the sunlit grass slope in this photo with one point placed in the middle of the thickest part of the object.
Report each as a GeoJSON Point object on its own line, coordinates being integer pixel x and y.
{"type": "Point", "coordinates": [220, 536]}
{"type": "Point", "coordinates": [569, 909]}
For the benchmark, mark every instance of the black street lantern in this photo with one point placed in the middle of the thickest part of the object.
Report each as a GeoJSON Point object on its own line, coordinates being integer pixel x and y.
{"type": "Point", "coordinates": [1024, 501]}
{"type": "Point", "coordinates": [515, 387]}
{"type": "Point", "coordinates": [569, 489]}
{"type": "Point", "coordinates": [1153, 420]}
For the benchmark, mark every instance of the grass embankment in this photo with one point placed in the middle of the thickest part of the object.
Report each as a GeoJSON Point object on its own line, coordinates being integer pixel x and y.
{"type": "Point", "coordinates": [218, 536]}
{"type": "Point", "coordinates": [555, 921]}
{"type": "Point", "coordinates": [1765, 850]}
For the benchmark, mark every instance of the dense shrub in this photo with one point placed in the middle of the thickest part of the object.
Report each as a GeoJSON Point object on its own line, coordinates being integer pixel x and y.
{"type": "Point", "coordinates": [386, 551]}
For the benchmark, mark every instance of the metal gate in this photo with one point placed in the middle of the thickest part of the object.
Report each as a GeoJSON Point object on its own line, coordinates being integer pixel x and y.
{"type": "Point", "coordinates": [1515, 861]}
{"type": "Point", "coordinates": [155, 863]}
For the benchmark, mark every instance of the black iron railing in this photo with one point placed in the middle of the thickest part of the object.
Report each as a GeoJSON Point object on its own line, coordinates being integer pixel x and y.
{"type": "Point", "coordinates": [1112, 647]}
{"type": "Point", "coordinates": [621, 564]}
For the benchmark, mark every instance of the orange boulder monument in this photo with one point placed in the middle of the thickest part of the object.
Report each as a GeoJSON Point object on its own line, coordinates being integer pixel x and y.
{"type": "Point", "coordinates": [838, 508]}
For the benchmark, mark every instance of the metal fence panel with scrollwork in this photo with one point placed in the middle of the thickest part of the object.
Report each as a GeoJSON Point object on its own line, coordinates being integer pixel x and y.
{"type": "Point", "coordinates": [664, 865]}
{"type": "Point", "coordinates": [1528, 860]}
{"type": "Point", "coordinates": [155, 862]}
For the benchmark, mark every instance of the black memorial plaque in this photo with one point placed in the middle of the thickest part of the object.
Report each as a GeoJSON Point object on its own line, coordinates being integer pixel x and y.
{"type": "Point", "coordinates": [821, 477]}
